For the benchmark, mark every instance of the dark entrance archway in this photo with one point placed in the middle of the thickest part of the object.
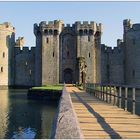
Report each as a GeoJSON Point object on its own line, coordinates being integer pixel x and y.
{"type": "Point", "coordinates": [68, 76]}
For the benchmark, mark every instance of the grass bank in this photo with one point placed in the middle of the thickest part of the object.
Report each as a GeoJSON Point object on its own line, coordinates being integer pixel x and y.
{"type": "Point", "coordinates": [48, 92]}
{"type": "Point", "coordinates": [49, 87]}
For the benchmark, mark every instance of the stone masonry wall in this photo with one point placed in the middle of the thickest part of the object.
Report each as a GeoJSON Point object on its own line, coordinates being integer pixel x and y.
{"type": "Point", "coordinates": [112, 65]}
{"type": "Point", "coordinates": [24, 66]}
{"type": "Point", "coordinates": [49, 51]}
{"type": "Point", "coordinates": [86, 47]}
{"type": "Point", "coordinates": [7, 36]}
{"type": "Point", "coordinates": [68, 54]}
{"type": "Point", "coordinates": [132, 54]}
{"type": "Point", "coordinates": [45, 64]}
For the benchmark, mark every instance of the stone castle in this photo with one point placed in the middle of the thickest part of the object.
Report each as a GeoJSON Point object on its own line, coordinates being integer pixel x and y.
{"type": "Point", "coordinates": [70, 54]}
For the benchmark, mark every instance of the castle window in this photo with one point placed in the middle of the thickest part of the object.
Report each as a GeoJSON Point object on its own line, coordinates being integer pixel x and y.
{"type": "Point", "coordinates": [89, 54]}
{"type": "Point", "coordinates": [46, 31]}
{"type": "Point", "coordinates": [53, 54]}
{"type": "Point", "coordinates": [55, 32]}
{"type": "Point", "coordinates": [47, 40]}
{"type": "Point", "coordinates": [68, 54]}
{"type": "Point", "coordinates": [88, 38]}
{"type": "Point", "coordinates": [85, 31]}
{"type": "Point", "coordinates": [3, 54]}
{"type": "Point", "coordinates": [80, 32]}
{"type": "Point", "coordinates": [90, 32]}
{"type": "Point", "coordinates": [1, 69]}
{"type": "Point", "coordinates": [50, 32]}
{"type": "Point", "coordinates": [133, 73]}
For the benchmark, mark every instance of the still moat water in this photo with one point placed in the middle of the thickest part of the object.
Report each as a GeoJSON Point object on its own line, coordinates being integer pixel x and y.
{"type": "Point", "coordinates": [21, 118]}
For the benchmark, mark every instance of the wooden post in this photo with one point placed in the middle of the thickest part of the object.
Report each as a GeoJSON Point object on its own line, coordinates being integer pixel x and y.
{"type": "Point", "coordinates": [106, 95]}
{"type": "Point", "coordinates": [88, 90]}
{"type": "Point", "coordinates": [110, 94]}
{"type": "Point", "coordinates": [103, 93]}
{"type": "Point", "coordinates": [120, 97]}
{"type": "Point", "coordinates": [98, 88]}
{"type": "Point", "coordinates": [114, 101]}
{"type": "Point", "coordinates": [126, 91]}
{"type": "Point", "coordinates": [94, 89]}
{"type": "Point", "coordinates": [133, 101]}
{"type": "Point", "coordinates": [98, 91]}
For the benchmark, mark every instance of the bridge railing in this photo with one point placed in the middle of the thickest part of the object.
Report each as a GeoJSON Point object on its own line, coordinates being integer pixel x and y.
{"type": "Point", "coordinates": [122, 96]}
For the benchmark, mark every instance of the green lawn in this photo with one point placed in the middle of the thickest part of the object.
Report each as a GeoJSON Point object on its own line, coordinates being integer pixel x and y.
{"type": "Point", "coordinates": [49, 87]}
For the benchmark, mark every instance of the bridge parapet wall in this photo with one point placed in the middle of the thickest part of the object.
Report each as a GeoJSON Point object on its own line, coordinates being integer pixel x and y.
{"type": "Point", "coordinates": [66, 125]}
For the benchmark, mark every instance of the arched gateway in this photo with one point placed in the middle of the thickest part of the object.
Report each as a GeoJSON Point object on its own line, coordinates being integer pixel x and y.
{"type": "Point", "coordinates": [68, 56]}
{"type": "Point", "coordinates": [68, 76]}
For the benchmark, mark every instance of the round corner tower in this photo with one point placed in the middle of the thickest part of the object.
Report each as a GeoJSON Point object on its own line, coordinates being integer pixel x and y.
{"type": "Point", "coordinates": [7, 39]}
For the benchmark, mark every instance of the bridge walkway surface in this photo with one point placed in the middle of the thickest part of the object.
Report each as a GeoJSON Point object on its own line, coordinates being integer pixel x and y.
{"type": "Point", "coordinates": [100, 120]}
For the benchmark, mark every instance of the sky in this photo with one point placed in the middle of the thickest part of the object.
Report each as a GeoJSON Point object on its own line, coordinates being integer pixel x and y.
{"type": "Point", "coordinates": [22, 15]}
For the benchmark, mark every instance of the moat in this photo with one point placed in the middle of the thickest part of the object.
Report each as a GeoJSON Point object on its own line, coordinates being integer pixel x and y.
{"type": "Point", "coordinates": [21, 118]}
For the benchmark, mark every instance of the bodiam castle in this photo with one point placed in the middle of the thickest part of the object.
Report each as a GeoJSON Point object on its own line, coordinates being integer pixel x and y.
{"type": "Point", "coordinates": [69, 53]}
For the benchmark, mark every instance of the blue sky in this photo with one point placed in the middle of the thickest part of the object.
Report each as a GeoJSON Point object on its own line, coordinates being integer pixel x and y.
{"type": "Point", "coordinates": [23, 15]}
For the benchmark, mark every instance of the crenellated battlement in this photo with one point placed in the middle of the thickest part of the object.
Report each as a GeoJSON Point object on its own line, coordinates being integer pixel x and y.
{"type": "Point", "coordinates": [20, 42]}
{"type": "Point", "coordinates": [49, 28]}
{"type": "Point", "coordinates": [106, 49]}
{"type": "Point", "coordinates": [51, 24]}
{"type": "Point", "coordinates": [136, 27]}
{"type": "Point", "coordinates": [89, 28]}
{"type": "Point", "coordinates": [56, 26]}
{"type": "Point", "coordinates": [109, 50]}
{"type": "Point", "coordinates": [129, 27]}
{"type": "Point", "coordinates": [6, 26]}
{"type": "Point", "coordinates": [86, 24]}
{"type": "Point", "coordinates": [24, 50]}
{"type": "Point", "coordinates": [69, 25]}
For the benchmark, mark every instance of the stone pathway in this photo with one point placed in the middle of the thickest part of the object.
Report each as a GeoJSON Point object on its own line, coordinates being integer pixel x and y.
{"type": "Point", "coordinates": [100, 120]}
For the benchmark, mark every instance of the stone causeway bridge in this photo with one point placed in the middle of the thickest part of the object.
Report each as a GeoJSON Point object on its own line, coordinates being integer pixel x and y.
{"type": "Point", "coordinates": [101, 112]}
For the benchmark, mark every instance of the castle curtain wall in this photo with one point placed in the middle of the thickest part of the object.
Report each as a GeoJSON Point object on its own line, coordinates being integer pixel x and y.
{"type": "Point", "coordinates": [24, 66]}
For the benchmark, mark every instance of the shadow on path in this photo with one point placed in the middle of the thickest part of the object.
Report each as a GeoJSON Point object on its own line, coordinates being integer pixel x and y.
{"type": "Point", "coordinates": [107, 128]}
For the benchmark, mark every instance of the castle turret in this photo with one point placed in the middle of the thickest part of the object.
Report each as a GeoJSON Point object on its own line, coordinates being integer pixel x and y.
{"type": "Point", "coordinates": [127, 24]}
{"type": "Point", "coordinates": [38, 56]}
{"type": "Point", "coordinates": [132, 51]}
{"type": "Point", "coordinates": [47, 52]}
{"type": "Point", "coordinates": [20, 42]}
{"type": "Point", "coordinates": [97, 53]}
{"type": "Point", "coordinates": [7, 42]}
{"type": "Point", "coordinates": [88, 47]}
